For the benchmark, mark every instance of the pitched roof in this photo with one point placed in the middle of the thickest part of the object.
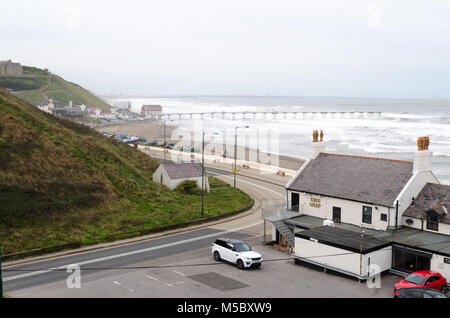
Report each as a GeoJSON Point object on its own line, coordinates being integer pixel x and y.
{"type": "Point", "coordinates": [363, 179]}
{"type": "Point", "coordinates": [434, 197]}
{"type": "Point", "coordinates": [183, 170]}
{"type": "Point", "coordinates": [151, 107]}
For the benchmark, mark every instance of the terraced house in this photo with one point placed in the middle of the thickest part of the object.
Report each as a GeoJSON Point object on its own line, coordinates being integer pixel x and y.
{"type": "Point", "coordinates": [355, 214]}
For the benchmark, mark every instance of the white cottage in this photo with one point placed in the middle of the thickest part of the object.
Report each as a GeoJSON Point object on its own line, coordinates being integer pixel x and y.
{"type": "Point", "coordinates": [172, 174]}
{"type": "Point", "coordinates": [378, 211]}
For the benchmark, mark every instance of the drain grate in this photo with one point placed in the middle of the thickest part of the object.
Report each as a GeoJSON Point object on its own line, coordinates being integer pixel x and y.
{"type": "Point", "coordinates": [218, 281]}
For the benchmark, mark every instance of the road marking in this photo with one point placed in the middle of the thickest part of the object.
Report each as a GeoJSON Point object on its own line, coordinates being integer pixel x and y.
{"type": "Point", "coordinates": [179, 273]}
{"type": "Point", "coordinates": [151, 277]}
{"type": "Point", "coordinates": [119, 284]}
{"type": "Point", "coordinates": [253, 184]}
{"type": "Point", "coordinates": [107, 258]}
{"type": "Point", "coordinates": [156, 279]}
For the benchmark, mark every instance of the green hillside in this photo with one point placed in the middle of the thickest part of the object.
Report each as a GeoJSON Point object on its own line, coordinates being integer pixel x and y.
{"type": "Point", "coordinates": [62, 182]}
{"type": "Point", "coordinates": [37, 85]}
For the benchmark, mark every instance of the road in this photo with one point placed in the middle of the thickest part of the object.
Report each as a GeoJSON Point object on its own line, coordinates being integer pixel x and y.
{"type": "Point", "coordinates": [180, 265]}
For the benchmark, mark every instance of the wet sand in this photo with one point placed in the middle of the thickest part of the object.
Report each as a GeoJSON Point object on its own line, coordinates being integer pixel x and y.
{"type": "Point", "coordinates": [154, 130]}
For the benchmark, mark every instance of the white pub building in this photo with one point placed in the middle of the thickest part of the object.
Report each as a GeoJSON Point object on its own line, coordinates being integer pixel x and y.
{"type": "Point", "coordinates": [346, 212]}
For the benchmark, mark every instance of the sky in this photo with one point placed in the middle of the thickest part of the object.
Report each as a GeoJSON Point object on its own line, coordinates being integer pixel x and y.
{"type": "Point", "coordinates": [358, 48]}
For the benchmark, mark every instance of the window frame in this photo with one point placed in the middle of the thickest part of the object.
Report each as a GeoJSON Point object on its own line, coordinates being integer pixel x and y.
{"type": "Point", "coordinates": [385, 217]}
{"type": "Point", "coordinates": [433, 225]}
{"type": "Point", "coordinates": [365, 215]}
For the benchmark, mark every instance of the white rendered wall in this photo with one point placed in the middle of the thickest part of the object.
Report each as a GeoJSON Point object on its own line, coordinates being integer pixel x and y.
{"type": "Point", "coordinates": [381, 258]}
{"type": "Point", "coordinates": [438, 265]}
{"type": "Point", "coordinates": [173, 183]}
{"type": "Point", "coordinates": [341, 259]}
{"type": "Point", "coordinates": [417, 224]}
{"type": "Point", "coordinates": [351, 211]}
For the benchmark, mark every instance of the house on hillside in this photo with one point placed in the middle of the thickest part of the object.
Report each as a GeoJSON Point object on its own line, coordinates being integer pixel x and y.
{"type": "Point", "coordinates": [151, 110]}
{"type": "Point", "coordinates": [172, 174]}
{"type": "Point", "coordinates": [348, 213]}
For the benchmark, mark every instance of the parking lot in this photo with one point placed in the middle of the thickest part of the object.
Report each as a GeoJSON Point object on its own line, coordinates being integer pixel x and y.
{"type": "Point", "coordinates": [195, 274]}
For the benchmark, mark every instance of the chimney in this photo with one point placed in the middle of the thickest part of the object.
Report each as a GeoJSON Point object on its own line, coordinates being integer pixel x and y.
{"type": "Point", "coordinates": [317, 145]}
{"type": "Point", "coordinates": [422, 157]}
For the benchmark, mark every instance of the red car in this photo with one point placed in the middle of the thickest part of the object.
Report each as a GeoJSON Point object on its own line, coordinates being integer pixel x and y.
{"type": "Point", "coordinates": [426, 279]}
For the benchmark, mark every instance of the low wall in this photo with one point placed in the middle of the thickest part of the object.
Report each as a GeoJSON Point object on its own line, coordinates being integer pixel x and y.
{"type": "Point", "coordinates": [211, 159]}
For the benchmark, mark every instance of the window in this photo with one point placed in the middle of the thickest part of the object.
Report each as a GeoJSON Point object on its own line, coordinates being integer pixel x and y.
{"type": "Point", "coordinates": [220, 243]}
{"type": "Point", "coordinates": [367, 215]}
{"type": "Point", "coordinates": [336, 214]}
{"type": "Point", "coordinates": [432, 221]}
{"type": "Point", "coordinates": [383, 217]}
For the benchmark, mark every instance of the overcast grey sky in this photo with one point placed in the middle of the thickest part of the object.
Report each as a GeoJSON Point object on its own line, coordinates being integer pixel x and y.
{"type": "Point", "coordinates": [236, 47]}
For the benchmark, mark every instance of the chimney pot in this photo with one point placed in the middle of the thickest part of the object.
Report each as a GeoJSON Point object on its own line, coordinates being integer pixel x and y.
{"type": "Point", "coordinates": [316, 146]}
{"type": "Point", "coordinates": [422, 157]}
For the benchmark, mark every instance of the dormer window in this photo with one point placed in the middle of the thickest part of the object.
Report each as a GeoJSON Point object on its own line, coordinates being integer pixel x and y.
{"type": "Point", "coordinates": [432, 220]}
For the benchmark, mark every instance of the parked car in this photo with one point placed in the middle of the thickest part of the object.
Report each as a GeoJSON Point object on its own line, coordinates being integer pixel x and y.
{"type": "Point", "coordinates": [418, 292]}
{"type": "Point", "coordinates": [236, 252]}
{"type": "Point", "coordinates": [424, 279]}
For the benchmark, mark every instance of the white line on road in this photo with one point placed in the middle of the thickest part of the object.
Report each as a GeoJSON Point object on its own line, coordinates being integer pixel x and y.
{"type": "Point", "coordinates": [179, 273]}
{"type": "Point", "coordinates": [253, 184]}
{"type": "Point", "coordinates": [119, 284]}
{"type": "Point", "coordinates": [106, 258]}
{"type": "Point", "coordinates": [151, 277]}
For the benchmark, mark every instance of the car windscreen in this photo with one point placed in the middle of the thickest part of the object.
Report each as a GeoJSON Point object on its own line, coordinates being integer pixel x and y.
{"type": "Point", "coordinates": [415, 279]}
{"type": "Point", "coordinates": [241, 247]}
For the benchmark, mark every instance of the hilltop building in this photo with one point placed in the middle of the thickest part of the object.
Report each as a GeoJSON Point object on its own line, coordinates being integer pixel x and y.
{"type": "Point", "coordinates": [151, 110]}
{"type": "Point", "coordinates": [348, 213]}
{"type": "Point", "coordinates": [60, 109]}
{"type": "Point", "coordinates": [10, 68]}
{"type": "Point", "coordinates": [172, 174]}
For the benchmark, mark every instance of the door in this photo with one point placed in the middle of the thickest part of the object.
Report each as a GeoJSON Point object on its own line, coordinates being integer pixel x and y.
{"type": "Point", "coordinates": [295, 201]}
{"type": "Point", "coordinates": [433, 282]}
{"type": "Point", "coordinates": [336, 214]}
{"type": "Point", "coordinates": [227, 252]}
{"type": "Point", "coordinates": [232, 253]}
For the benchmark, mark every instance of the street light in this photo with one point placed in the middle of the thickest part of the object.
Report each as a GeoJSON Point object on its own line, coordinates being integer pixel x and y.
{"type": "Point", "coordinates": [235, 153]}
{"type": "Point", "coordinates": [164, 123]}
{"type": "Point", "coordinates": [1, 277]}
{"type": "Point", "coordinates": [203, 167]}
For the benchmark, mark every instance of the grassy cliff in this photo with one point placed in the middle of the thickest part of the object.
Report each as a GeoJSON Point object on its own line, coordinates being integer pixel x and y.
{"type": "Point", "coordinates": [62, 182]}
{"type": "Point", "coordinates": [36, 85]}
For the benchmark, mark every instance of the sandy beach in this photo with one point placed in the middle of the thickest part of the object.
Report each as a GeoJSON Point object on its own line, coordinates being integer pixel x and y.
{"type": "Point", "coordinates": [154, 130]}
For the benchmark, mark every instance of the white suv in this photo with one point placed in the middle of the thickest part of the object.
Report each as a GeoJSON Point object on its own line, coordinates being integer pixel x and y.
{"type": "Point", "coordinates": [236, 252]}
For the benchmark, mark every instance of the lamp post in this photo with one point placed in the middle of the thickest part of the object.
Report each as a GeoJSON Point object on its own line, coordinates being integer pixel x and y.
{"type": "Point", "coordinates": [235, 153]}
{"type": "Point", "coordinates": [1, 277]}
{"type": "Point", "coordinates": [203, 167]}
{"type": "Point", "coordinates": [164, 124]}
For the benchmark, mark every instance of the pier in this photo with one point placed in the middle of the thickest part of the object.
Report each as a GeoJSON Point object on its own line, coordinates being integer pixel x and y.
{"type": "Point", "coordinates": [270, 115]}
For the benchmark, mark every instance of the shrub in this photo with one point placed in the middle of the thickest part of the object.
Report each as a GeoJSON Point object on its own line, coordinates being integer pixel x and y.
{"type": "Point", "coordinates": [188, 187]}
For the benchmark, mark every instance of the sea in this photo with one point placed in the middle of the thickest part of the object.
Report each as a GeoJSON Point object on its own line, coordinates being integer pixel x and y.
{"type": "Point", "coordinates": [392, 135]}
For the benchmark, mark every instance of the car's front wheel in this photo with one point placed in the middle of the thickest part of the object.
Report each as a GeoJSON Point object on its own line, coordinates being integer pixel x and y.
{"type": "Point", "coordinates": [444, 289]}
{"type": "Point", "coordinates": [217, 256]}
{"type": "Point", "coordinates": [240, 264]}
